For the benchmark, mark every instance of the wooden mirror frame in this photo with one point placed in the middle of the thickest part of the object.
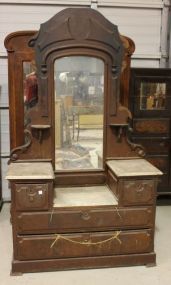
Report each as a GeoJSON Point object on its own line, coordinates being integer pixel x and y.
{"type": "Point", "coordinates": [61, 36]}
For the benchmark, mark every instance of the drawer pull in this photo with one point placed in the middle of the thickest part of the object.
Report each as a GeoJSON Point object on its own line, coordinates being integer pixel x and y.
{"type": "Point", "coordinates": [31, 194]}
{"type": "Point", "coordinates": [85, 216]}
{"type": "Point", "coordinates": [87, 242]}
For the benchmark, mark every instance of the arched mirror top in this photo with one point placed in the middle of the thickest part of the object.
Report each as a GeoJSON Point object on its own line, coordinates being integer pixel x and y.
{"type": "Point", "coordinates": [90, 84]}
{"type": "Point", "coordinates": [77, 28]}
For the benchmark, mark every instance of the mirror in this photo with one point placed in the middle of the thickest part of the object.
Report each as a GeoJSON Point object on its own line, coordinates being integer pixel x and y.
{"type": "Point", "coordinates": [79, 112]}
{"type": "Point", "coordinates": [30, 87]}
{"type": "Point", "coordinates": [152, 96]}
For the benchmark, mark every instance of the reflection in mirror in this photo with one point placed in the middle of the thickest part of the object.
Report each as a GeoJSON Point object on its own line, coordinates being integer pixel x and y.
{"type": "Point", "coordinates": [79, 108]}
{"type": "Point", "coordinates": [30, 88]}
{"type": "Point", "coordinates": [152, 96]}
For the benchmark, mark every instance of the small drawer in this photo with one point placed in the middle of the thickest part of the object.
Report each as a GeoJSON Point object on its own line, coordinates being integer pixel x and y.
{"type": "Point", "coordinates": [63, 221]}
{"type": "Point", "coordinates": [32, 196]}
{"type": "Point", "coordinates": [83, 244]}
{"type": "Point", "coordinates": [137, 192]}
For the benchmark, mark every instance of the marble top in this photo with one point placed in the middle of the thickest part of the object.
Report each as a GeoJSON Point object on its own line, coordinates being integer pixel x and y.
{"type": "Point", "coordinates": [133, 167]}
{"type": "Point", "coordinates": [84, 196]}
{"type": "Point", "coordinates": [30, 170]}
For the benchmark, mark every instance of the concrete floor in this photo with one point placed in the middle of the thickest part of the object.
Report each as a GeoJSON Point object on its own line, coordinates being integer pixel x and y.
{"type": "Point", "coordinates": [138, 275]}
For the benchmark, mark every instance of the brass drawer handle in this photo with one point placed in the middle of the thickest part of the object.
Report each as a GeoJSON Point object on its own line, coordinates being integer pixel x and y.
{"type": "Point", "coordinates": [85, 216]}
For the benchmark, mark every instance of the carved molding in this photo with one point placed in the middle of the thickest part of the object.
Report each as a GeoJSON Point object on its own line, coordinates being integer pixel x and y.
{"type": "Point", "coordinates": [137, 148]}
{"type": "Point", "coordinates": [15, 153]}
{"type": "Point", "coordinates": [74, 28]}
{"type": "Point", "coordinates": [9, 41]}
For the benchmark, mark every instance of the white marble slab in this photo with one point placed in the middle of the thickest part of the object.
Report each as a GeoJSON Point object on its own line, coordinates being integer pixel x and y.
{"type": "Point", "coordinates": [84, 196]}
{"type": "Point", "coordinates": [133, 167]}
{"type": "Point", "coordinates": [30, 170]}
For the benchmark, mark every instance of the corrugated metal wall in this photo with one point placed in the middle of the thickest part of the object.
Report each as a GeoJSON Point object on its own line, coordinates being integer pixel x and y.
{"type": "Point", "coordinates": [140, 20]}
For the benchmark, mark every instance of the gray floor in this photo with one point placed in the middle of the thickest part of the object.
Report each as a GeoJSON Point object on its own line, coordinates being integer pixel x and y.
{"type": "Point", "coordinates": [139, 275]}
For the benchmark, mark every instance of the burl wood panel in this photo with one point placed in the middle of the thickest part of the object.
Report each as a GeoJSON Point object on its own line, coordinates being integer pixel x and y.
{"type": "Point", "coordinates": [84, 219]}
{"type": "Point", "coordinates": [74, 245]}
{"type": "Point", "coordinates": [151, 126]}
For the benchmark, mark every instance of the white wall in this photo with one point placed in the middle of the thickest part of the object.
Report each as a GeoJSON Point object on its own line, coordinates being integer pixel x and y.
{"type": "Point", "coordinates": [140, 20]}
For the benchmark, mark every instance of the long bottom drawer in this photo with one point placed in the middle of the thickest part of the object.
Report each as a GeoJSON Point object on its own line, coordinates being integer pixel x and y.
{"type": "Point", "coordinates": [83, 244]}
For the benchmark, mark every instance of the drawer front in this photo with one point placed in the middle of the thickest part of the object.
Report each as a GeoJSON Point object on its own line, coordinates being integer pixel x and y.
{"type": "Point", "coordinates": [85, 220]}
{"type": "Point", "coordinates": [153, 145]}
{"type": "Point", "coordinates": [138, 192]}
{"type": "Point", "coordinates": [151, 126]}
{"type": "Point", "coordinates": [85, 244]}
{"type": "Point", "coordinates": [32, 196]}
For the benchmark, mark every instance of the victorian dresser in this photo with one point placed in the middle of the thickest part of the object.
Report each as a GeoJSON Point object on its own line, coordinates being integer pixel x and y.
{"type": "Point", "coordinates": [83, 194]}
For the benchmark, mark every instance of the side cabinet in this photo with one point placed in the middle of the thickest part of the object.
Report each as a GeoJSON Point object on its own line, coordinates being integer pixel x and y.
{"type": "Point", "coordinates": [150, 104]}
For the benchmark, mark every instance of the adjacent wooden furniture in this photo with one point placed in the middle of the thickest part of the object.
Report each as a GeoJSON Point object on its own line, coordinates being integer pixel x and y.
{"type": "Point", "coordinates": [75, 204]}
{"type": "Point", "coordinates": [1, 200]}
{"type": "Point", "coordinates": [150, 102]}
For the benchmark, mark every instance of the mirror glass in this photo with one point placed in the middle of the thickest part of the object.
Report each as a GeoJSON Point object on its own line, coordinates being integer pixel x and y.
{"type": "Point", "coordinates": [152, 96]}
{"type": "Point", "coordinates": [30, 88]}
{"type": "Point", "coordinates": [79, 109]}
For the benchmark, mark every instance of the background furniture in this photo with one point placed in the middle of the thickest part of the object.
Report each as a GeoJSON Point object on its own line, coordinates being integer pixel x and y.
{"type": "Point", "coordinates": [151, 118]}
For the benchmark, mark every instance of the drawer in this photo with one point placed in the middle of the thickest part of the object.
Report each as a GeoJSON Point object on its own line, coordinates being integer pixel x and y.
{"type": "Point", "coordinates": [30, 196]}
{"type": "Point", "coordinates": [137, 192]}
{"type": "Point", "coordinates": [153, 145]}
{"type": "Point", "coordinates": [84, 220]}
{"type": "Point", "coordinates": [83, 244]}
{"type": "Point", "coordinates": [151, 126]}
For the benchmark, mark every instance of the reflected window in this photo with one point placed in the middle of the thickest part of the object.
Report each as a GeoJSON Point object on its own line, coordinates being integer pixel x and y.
{"type": "Point", "coordinates": [79, 108]}
{"type": "Point", "coordinates": [152, 96]}
{"type": "Point", "coordinates": [30, 88]}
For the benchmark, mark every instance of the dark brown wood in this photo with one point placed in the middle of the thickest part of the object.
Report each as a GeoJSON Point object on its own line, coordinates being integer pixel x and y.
{"type": "Point", "coordinates": [137, 192]}
{"type": "Point", "coordinates": [129, 48]}
{"type": "Point", "coordinates": [83, 263]}
{"type": "Point", "coordinates": [74, 245]}
{"type": "Point", "coordinates": [107, 48]}
{"type": "Point", "coordinates": [18, 51]}
{"type": "Point", "coordinates": [89, 219]}
{"type": "Point", "coordinates": [152, 127]}
{"type": "Point", "coordinates": [49, 237]}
